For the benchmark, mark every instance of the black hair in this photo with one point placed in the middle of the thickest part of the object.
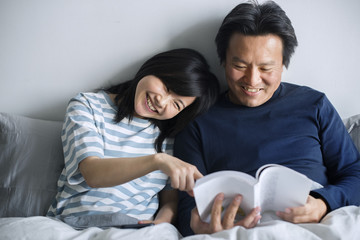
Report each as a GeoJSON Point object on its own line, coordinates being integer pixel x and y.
{"type": "Point", "coordinates": [183, 71]}
{"type": "Point", "coordinates": [254, 19]}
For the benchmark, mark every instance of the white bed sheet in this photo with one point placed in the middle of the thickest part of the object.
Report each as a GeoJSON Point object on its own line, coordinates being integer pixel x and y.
{"type": "Point", "coordinates": [343, 223]}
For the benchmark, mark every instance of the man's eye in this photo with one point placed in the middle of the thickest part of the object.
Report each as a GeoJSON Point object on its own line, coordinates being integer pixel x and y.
{"type": "Point", "coordinates": [239, 67]}
{"type": "Point", "coordinates": [265, 69]}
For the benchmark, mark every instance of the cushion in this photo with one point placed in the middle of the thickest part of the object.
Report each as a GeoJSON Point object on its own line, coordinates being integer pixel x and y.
{"type": "Point", "coordinates": [31, 160]}
{"type": "Point", "coordinates": [352, 124]}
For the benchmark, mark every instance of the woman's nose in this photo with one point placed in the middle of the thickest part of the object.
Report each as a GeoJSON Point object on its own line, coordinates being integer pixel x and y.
{"type": "Point", "coordinates": [162, 100]}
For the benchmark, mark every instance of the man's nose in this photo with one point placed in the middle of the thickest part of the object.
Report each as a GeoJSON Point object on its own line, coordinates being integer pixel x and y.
{"type": "Point", "coordinates": [253, 77]}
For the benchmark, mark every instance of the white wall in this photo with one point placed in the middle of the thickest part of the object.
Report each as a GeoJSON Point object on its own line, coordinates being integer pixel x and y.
{"type": "Point", "coordinates": [52, 49]}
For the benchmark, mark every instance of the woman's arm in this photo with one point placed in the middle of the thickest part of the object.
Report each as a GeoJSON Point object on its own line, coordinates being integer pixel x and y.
{"type": "Point", "coordinates": [107, 172]}
{"type": "Point", "coordinates": [168, 206]}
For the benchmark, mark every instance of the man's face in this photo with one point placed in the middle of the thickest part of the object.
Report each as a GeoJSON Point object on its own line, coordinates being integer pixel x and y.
{"type": "Point", "coordinates": [253, 68]}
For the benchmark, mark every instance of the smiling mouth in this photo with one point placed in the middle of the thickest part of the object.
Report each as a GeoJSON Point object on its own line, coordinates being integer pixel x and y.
{"type": "Point", "coordinates": [252, 90]}
{"type": "Point", "coordinates": [151, 107]}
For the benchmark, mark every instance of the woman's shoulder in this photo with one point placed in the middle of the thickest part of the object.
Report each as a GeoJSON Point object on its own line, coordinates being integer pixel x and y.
{"type": "Point", "coordinates": [100, 97]}
{"type": "Point", "coordinates": [92, 100]}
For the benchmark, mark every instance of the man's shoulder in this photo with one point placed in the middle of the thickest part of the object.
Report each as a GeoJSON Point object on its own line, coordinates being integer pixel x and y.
{"type": "Point", "coordinates": [291, 87]}
{"type": "Point", "coordinates": [298, 92]}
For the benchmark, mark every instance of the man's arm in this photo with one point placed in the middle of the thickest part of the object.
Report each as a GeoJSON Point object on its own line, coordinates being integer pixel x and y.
{"type": "Point", "coordinates": [342, 162]}
{"type": "Point", "coordinates": [341, 159]}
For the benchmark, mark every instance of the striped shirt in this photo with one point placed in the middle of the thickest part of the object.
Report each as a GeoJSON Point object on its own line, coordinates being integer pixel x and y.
{"type": "Point", "coordinates": [89, 130]}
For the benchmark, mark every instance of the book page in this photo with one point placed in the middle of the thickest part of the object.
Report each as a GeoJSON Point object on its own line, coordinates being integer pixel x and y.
{"type": "Point", "coordinates": [230, 183]}
{"type": "Point", "coordinates": [281, 187]}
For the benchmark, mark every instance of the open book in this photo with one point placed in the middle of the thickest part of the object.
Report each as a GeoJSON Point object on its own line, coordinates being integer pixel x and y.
{"type": "Point", "coordinates": [274, 188]}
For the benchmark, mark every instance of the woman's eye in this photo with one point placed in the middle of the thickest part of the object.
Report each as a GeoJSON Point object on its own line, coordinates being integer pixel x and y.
{"type": "Point", "coordinates": [177, 106]}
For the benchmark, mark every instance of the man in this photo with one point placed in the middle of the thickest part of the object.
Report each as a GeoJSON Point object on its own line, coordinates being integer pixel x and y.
{"type": "Point", "coordinates": [261, 120]}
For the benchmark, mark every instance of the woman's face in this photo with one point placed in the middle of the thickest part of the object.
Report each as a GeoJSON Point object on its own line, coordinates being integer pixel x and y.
{"type": "Point", "coordinates": [154, 100]}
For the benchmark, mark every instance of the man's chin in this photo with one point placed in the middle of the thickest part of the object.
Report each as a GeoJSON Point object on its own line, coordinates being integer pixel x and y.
{"type": "Point", "coordinates": [249, 103]}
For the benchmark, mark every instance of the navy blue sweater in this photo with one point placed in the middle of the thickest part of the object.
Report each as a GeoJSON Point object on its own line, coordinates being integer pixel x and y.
{"type": "Point", "coordinates": [298, 127]}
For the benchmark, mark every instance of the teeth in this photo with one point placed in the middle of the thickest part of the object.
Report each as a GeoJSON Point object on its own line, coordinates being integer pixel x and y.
{"type": "Point", "coordinates": [150, 104]}
{"type": "Point", "coordinates": [252, 89]}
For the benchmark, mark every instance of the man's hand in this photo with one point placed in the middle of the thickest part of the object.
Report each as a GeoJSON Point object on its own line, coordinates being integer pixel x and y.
{"type": "Point", "coordinates": [312, 211]}
{"type": "Point", "coordinates": [216, 224]}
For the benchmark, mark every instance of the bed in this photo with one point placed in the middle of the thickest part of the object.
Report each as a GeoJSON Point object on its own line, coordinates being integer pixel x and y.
{"type": "Point", "coordinates": [31, 160]}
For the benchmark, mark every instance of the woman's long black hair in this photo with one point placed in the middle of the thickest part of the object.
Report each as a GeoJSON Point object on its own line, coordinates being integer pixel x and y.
{"type": "Point", "coordinates": [183, 71]}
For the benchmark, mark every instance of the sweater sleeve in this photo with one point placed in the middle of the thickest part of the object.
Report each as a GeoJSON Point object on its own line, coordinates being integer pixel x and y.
{"type": "Point", "coordinates": [341, 159]}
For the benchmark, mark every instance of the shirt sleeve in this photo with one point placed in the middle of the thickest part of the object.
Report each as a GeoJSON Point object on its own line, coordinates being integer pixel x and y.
{"type": "Point", "coordinates": [341, 159]}
{"type": "Point", "coordinates": [80, 137]}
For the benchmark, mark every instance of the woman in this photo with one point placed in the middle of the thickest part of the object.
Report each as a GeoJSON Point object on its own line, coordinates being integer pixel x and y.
{"type": "Point", "coordinates": [117, 144]}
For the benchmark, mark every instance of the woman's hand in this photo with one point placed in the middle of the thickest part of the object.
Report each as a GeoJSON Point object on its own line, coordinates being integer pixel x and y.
{"type": "Point", "coordinates": [311, 212]}
{"type": "Point", "coordinates": [216, 224]}
{"type": "Point", "coordinates": [182, 174]}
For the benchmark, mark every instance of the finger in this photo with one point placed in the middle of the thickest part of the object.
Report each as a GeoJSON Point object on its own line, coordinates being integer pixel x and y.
{"type": "Point", "coordinates": [255, 222]}
{"type": "Point", "coordinates": [197, 174]}
{"type": "Point", "coordinates": [144, 221]}
{"type": "Point", "coordinates": [300, 215]}
{"type": "Point", "coordinates": [230, 213]}
{"type": "Point", "coordinates": [288, 215]}
{"type": "Point", "coordinates": [196, 224]}
{"type": "Point", "coordinates": [251, 219]}
{"type": "Point", "coordinates": [175, 182]}
{"type": "Point", "coordinates": [191, 193]}
{"type": "Point", "coordinates": [190, 182]}
{"type": "Point", "coordinates": [293, 218]}
{"type": "Point", "coordinates": [182, 181]}
{"type": "Point", "coordinates": [215, 223]}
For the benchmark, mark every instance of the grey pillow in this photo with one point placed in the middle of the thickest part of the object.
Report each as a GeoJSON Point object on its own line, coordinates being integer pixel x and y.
{"type": "Point", "coordinates": [31, 160]}
{"type": "Point", "coordinates": [352, 124]}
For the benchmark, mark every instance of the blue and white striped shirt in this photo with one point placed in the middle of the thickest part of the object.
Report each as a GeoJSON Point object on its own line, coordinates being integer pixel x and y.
{"type": "Point", "coordinates": [89, 130]}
